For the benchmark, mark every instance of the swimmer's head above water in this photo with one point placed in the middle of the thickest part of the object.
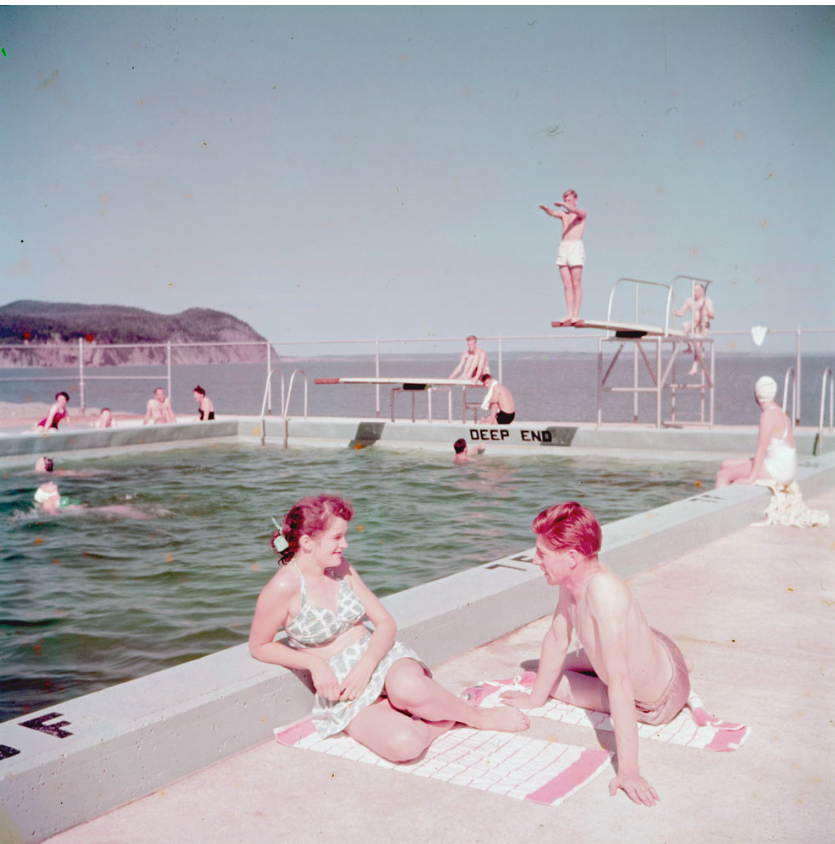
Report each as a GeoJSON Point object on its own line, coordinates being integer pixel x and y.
{"type": "Point", "coordinates": [570, 525]}
{"type": "Point", "coordinates": [765, 389]}
{"type": "Point", "coordinates": [43, 464]}
{"type": "Point", "coordinates": [309, 517]}
{"type": "Point", "coordinates": [460, 445]}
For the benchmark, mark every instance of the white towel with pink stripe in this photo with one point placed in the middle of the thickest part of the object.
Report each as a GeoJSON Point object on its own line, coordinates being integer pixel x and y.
{"type": "Point", "coordinates": [499, 763]}
{"type": "Point", "coordinates": [694, 726]}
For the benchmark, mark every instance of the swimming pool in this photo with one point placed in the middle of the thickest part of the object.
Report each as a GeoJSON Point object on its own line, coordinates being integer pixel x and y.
{"type": "Point", "coordinates": [94, 599]}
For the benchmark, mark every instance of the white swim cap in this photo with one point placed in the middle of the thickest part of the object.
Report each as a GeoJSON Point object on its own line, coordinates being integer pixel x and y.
{"type": "Point", "coordinates": [765, 389]}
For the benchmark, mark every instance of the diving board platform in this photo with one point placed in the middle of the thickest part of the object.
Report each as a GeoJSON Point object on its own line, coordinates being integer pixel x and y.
{"type": "Point", "coordinates": [662, 373]}
{"type": "Point", "coordinates": [414, 385]}
{"type": "Point", "coordinates": [624, 329]}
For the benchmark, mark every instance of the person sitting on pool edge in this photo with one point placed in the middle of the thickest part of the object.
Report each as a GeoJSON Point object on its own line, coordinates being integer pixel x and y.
{"type": "Point", "coordinates": [205, 408]}
{"type": "Point", "coordinates": [624, 662]}
{"type": "Point", "coordinates": [105, 419]}
{"type": "Point", "coordinates": [776, 454]}
{"type": "Point", "coordinates": [498, 402]}
{"type": "Point", "coordinates": [57, 412]}
{"type": "Point", "coordinates": [462, 451]}
{"type": "Point", "coordinates": [367, 683]}
{"type": "Point", "coordinates": [159, 409]}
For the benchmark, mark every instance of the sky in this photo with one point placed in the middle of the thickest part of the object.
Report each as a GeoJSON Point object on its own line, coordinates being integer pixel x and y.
{"type": "Point", "coordinates": [352, 172]}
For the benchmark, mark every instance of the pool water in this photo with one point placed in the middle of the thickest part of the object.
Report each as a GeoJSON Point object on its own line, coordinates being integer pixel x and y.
{"type": "Point", "coordinates": [93, 599]}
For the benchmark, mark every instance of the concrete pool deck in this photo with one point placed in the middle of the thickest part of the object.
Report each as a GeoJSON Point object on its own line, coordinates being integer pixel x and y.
{"type": "Point", "coordinates": [754, 612]}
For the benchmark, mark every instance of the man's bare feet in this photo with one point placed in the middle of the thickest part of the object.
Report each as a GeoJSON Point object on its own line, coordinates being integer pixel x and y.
{"type": "Point", "coordinates": [694, 370]}
{"type": "Point", "coordinates": [578, 323]}
{"type": "Point", "coordinates": [508, 719]}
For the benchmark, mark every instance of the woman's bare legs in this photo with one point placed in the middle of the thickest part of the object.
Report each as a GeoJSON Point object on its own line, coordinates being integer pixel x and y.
{"type": "Point", "coordinates": [733, 470]}
{"type": "Point", "coordinates": [388, 728]}
{"type": "Point", "coordinates": [392, 734]}
{"type": "Point", "coordinates": [410, 689]}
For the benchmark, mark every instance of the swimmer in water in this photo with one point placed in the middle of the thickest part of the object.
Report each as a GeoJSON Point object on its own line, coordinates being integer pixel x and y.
{"type": "Point", "coordinates": [463, 453]}
{"type": "Point", "coordinates": [45, 464]}
{"type": "Point", "coordinates": [625, 667]}
{"type": "Point", "coordinates": [205, 407]}
{"type": "Point", "coordinates": [776, 454]}
{"type": "Point", "coordinates": [48, 499]}
{"type": "Point", "coordinates": [368, 684]}
{"type": "Point", "coordinates": [57, 412]}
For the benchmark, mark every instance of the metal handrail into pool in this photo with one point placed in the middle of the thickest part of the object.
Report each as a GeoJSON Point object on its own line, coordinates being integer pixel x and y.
{"type": "Point", "coordinates": [790, 376]}
{"type": "Point", "coordinates": [827, 376]}
{"type": "Point", "coordinates": [286, 404]}
{"type": "Point", "coordinates": [264, 402]}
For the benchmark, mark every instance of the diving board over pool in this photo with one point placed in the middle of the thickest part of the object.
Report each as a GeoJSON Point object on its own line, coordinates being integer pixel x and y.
{"type": "Point", "coordinates": [623, 329]}
{"type": "Point", "coordinates": [413, 385]}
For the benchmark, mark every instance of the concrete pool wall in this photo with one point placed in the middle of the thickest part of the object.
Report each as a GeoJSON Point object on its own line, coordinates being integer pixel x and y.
{"type": "Point", "coordinates": [530, 437]}
{"type": "Point", "coordinates": [77, 760]}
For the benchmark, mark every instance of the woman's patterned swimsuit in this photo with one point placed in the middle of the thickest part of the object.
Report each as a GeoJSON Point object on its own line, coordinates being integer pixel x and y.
{"type": "Point", "coordinates": [318, 625]}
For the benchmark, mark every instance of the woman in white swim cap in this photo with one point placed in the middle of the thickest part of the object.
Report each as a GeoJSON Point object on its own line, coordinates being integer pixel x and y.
{"type": "Point", "coordinates": [776, 455]}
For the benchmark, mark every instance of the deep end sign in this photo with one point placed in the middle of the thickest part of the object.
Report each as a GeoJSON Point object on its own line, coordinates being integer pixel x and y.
{"type": "Point", "coordinates": [543, 436]}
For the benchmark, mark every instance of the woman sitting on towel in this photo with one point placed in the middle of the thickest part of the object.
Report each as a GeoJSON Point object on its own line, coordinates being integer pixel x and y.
{"type": "Point", "coordinates": [367, 683]}
{"type": "Point", "coordinates": [776, 456]}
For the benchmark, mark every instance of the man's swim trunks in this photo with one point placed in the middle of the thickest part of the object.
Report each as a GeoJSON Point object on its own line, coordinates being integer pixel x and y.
{"type": "Point", "coordinates": [672, 700]}
{"type": "Point", "coordinates": [571, 254]}
{"type": "Point", "coordinates": [503, 418]}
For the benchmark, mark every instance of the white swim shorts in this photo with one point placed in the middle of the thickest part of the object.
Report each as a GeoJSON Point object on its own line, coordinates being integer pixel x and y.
{"type": "Point", "coordinates": [571, 254]}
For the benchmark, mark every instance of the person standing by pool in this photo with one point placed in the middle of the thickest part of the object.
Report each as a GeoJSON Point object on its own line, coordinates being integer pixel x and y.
{"type": "Point", "coordinates": [571, 256]}
{"type": "Point", "coordinates": [57, 412]}
{"type": "Point", "coordinates": [498, 403]}
{"type": "Point", "coordinates": [367, 683]}
{"type": "Point", "coordinates": [473, 363]}
{"type": "Point", "coordinates": [776, 454]}
{"type": "Point", "coordinates": [205, 408]}
{"type": "Point", "coordinates": [159, 409]}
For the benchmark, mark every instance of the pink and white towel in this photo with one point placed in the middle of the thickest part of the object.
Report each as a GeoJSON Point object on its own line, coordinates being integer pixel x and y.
{"type": "Point", "coordinates": [500, 763]}
{"type": "Point", "coordinates": [694, 726]}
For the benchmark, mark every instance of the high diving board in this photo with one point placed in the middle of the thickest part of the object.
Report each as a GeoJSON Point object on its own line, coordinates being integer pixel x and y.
{"type": "Point", "coordinates": [412, 385]}
{"type": "Point", "coordinates": [623, 329]}
{"type": "Point", "coordinates": [662, 375]}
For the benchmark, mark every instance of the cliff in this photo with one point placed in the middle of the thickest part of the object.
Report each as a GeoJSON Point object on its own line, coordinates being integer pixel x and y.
{"type": "Point", "coordinates": [46, 334]}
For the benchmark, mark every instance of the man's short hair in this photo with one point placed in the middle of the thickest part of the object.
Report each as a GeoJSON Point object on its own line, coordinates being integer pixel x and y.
{"type": "Point", "coordinates": [485, 377]}
{"type": "Point", "coordinates": [459, 445]}
{"type": "Point", "coordinates": [570, 192]}
{"type": "Point", "coordinates": [473, 337]}
{"type": "Point", "coordinates": [570, 525]}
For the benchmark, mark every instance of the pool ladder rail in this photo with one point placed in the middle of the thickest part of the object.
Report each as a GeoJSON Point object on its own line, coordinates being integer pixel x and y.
{"type": "Point", "coordinates": [285, 401]}
{"type": "Point", "coordinates": [827, 376]}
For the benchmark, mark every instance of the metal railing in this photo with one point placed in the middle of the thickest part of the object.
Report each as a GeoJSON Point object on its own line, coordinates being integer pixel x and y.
{"type": "Point", "coordinates": [827, 376]}
{"type": "Point", "coordinates": [286, 405]}
{"type": "Point", "coordinates": [559, 386]}
{"type": "Point", "coordinates": [268, 394]}
{"type": "Point", "coordinates": [790, 377]}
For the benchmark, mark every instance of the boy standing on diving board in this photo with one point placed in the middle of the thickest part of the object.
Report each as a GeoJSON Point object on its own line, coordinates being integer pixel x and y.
{"type": "Point", "coordinates": [571, 255]}
{"type": "Point", "coordinates": [625, 668]}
